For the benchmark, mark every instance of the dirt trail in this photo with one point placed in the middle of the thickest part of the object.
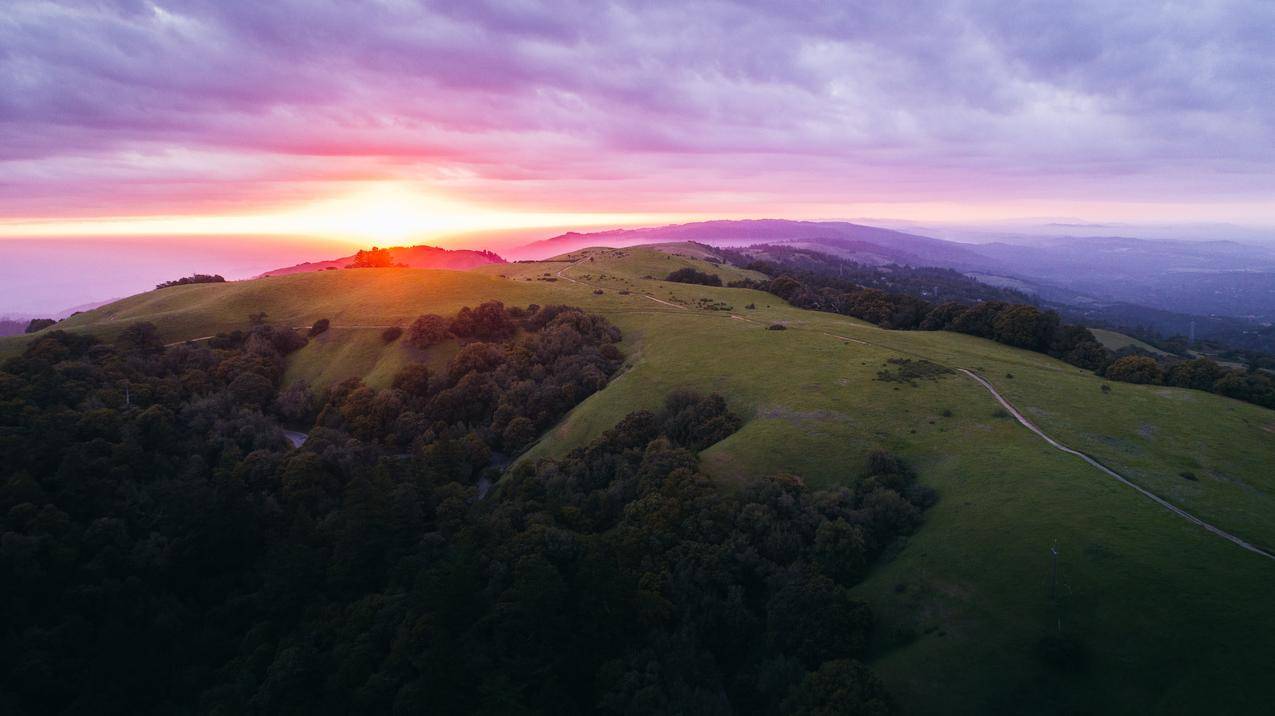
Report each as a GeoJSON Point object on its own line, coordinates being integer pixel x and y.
{"type": "Point", "coordinates": [1146, 493]}
{"type": "Point", "coordinates": [1022, 419]}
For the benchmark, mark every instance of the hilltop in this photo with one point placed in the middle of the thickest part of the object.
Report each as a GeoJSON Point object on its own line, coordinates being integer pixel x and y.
{"type": "Point", "coordinates": [422, 257]}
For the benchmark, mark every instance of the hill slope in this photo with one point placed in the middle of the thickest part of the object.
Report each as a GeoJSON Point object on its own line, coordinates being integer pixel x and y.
{"type": "Point", "coordinates": [964, 603]}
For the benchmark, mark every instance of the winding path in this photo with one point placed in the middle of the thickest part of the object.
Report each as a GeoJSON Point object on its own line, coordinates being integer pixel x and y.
{"type": "Point", "coordinates": [1022, 419]}
{"type": "Point", "coordinates": [1146, 493]}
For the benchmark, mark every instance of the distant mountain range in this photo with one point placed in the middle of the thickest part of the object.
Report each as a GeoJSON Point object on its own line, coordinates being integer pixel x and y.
{"type": "Point", "coordinates": [430, 257]}
{"type": "Point", "coordinates": [865, 244]}
{"type": "Point", "coordinates": [1224, 278]}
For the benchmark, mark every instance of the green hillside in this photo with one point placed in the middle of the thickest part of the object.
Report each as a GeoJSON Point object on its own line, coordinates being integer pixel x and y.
{"type": "Point", "coordinates": [1173, 618]}
{"type": "Point", "coordinates": [1114, 341]}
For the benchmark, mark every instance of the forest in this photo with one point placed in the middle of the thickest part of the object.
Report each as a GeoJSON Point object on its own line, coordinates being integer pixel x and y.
{"type": "Point", "coordinates": [166, 550]}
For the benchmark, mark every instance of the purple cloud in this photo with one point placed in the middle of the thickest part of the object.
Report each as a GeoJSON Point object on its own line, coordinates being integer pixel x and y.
{"type": "Point", "coordinates": [137, 107]}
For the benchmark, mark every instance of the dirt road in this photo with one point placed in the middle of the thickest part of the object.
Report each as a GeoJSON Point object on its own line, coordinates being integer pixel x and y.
{"type": "Point", "coordinates": [1112, 473]}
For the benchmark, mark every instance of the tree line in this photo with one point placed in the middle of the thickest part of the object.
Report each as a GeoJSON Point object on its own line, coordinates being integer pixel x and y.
{"type": "Point", "coordinates": [1014, 324]}
{"type": "Point", "coordinates": [194, 278]}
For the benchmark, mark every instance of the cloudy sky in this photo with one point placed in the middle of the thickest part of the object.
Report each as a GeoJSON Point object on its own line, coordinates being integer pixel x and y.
{"type": "Point", "coordinates": [226, 117]}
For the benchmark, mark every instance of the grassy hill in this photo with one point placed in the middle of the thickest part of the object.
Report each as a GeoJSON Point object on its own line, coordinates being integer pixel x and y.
{"type": "Point", "coordinates": [1173, 619]}
{"type": "Point", "coordinates": [1114, 341]}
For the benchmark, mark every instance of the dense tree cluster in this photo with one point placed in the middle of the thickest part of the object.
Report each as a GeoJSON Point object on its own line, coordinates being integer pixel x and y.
{"type": "Point", "coordinates": [195, 278]}
{"type": "Point", "coordinates": [1252, 385]}
{"type": "Point", "coordinates": [164, 548]}
{"type": "Point", "coordinates": [373, 258]}
{"type": "Point", "coordinates": [1014, 324]}
{"type": "Point", "coordinates": [489, 321]}
{"type": "Point", "coordinates": [39, 324]}
{"type": "Point", "coordinates": [694, 276]}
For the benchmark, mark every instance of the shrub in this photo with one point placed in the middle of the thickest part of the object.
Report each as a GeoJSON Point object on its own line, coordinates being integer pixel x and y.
{"type": "Point", "coordinates": [428, 330]}
{"type": "Point", "coordinates": [320, 326]}
{"type": "Point", "coordinates": [39, 324]}
{"type": "Point", "coordinates": [690, 275]}
{"type": "Point", "coordinates": [906, 370]}
{"type": "Point", "coordinates": [776, 327]}
{"type": "Point", "coordinates": [391, 334]}
{"type": "Point", "coordinates": [840, 686]}
{"type": "Point", "coordinates": [489, 321]}
{"type": "Point", "coordinates": [413, 380]}
{"type": "Point", "coordinates": [1200, 374]}
{"type": "Point", "coordinates": [1136, 369]}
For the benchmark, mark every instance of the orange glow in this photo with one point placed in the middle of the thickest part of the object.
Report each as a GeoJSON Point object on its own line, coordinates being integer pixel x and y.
{"type": "Point", "coordinates": [385, 212]}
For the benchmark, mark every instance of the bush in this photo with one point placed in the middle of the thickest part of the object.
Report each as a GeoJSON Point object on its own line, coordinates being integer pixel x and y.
{"type": "Point", "coordinates": [320, 326]}
{"type": "Point", "coordinates": [776, 327]}
{"type": "Point", "coordinates": [428, 330]}
{"type": "Point", "coordinates": [1200, 374]}
{"type": "Point", "coordinates": [1136, 369]}
{"type": "Point", "coordinates": [39, 324]}
{"type": "Point", "coordinates": [690, 275]}
{"type": "Point", "coordinates": [488, 322]}
{"type": "Point", "coordinates": [391, 334]}
{"type": "Point", "coordinates": [841, 686]}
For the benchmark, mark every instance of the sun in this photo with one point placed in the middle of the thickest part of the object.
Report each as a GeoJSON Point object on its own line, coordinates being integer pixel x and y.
{"type": "Point", "coordinates": [386, 213]}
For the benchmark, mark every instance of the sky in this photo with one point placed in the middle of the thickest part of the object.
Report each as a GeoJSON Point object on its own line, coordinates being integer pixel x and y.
{"type": "Point", "coordinates": [381, 121]}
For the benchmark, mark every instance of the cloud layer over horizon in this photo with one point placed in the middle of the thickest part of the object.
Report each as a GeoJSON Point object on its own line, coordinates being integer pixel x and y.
{"type": "Point", "coordinates": [135, 108]}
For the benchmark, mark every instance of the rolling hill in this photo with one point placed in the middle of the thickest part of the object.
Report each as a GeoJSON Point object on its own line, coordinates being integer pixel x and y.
{"type": "Point", "coordinates": [423, 257]}
{"type": "Point", "coordinates": [1172, 617]}
{"type": "Point", "coordinates": [868, 244]}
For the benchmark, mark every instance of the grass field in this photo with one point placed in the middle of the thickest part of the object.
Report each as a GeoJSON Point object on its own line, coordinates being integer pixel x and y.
{"type": "Point", "coordinates": [1113, 341]}
{"type": "Point", "coordinates": [1174, 619]}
